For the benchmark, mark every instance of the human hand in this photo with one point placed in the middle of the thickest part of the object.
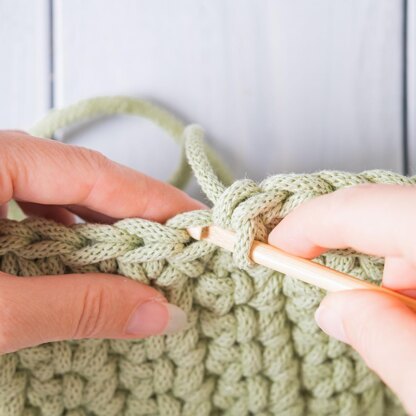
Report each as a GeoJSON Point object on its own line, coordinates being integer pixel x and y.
{"type": "Point", "coordinates": [378, 220]}
{"type": "Point", "coordinates": [56, 180]}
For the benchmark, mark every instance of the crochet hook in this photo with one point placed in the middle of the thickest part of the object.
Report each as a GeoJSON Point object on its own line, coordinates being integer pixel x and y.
{"type": "Point", "coordinates": [305, 270]}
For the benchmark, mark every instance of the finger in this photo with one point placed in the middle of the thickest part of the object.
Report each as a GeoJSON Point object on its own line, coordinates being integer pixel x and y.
{"type": "Point", "coordinates": [49, 172]}
{"type": "Point", "coordinates": [382, 330]}
{"type": "Point", "coordinates": [52, 212]}
{"type": "Point", "coordinates": [399, 274]}
{"type": "Point", "coordinates": [89, 215]}
{"type": "Point", "coordinates": [35, 310]}
{"type": "Point", "coordinates": [375, 219]}
{"type": "Point", "coordinates": [3, 210]}
{"type": "Point", "coordinates": [65, 214]}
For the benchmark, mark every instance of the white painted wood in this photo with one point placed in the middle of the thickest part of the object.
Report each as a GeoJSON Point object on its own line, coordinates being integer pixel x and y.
{"type": "Point", "coordinates": [411, 52]}
{"type": "Point", "coordinates": [279, 85]}
{"type": "Point", "coordinates": [24, 62]}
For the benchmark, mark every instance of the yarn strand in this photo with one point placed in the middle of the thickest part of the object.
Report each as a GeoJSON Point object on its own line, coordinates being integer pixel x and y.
{"type": "Point", "coordinates": [251, 346]}
{"type": "Point", "coordinates": [93, 108]}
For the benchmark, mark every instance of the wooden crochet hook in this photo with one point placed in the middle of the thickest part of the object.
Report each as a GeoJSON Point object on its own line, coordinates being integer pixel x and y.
{"type": "Point", "coordinates": [302, 269]}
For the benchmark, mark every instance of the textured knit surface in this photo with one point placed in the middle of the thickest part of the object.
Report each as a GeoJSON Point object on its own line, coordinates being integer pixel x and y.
{"type": "Point", "coordinates": [251, 345]}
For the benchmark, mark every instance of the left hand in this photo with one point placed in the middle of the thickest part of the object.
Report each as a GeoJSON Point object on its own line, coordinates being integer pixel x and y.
{"type": "Point", "coordinates": [56, 180]}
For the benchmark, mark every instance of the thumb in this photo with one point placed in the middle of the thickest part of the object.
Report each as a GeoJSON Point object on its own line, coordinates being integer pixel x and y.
{"type": "Point", "coordinates": [40, 309]}
{"type": "Point", "coordinates": [382, 330]}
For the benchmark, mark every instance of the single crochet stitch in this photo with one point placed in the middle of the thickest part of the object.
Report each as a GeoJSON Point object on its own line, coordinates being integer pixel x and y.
{"type": "Point", "coordinates": [251, 346]}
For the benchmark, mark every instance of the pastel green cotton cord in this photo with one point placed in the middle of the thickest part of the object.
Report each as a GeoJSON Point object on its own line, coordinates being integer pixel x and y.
{"type": "Point", "coordinates": [87, 110]}
{"type": "Point", "coordinates": [251, 346]}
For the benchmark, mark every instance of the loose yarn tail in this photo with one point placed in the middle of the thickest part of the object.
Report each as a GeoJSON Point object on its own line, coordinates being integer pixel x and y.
{"type": "Point", "coordinates": [87, 110]}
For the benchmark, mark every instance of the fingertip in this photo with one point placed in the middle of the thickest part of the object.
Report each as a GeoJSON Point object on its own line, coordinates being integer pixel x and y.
{"type": "Point", "coordinates": [331, 322]}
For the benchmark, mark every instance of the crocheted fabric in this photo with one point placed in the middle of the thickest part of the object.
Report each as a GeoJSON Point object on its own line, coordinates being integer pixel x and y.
{"type": "Point", "coordinates": [251, 345]}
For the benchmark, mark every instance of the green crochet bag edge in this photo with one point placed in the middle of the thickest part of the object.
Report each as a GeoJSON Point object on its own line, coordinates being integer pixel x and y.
{"type": "Point", "coordinates": [243, 206]}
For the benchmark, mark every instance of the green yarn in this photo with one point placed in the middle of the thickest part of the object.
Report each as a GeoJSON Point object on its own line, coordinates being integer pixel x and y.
{"type": "Point", "coordinates": [251, 346]}
{"type": "Point", "coordinates": [109, 106]}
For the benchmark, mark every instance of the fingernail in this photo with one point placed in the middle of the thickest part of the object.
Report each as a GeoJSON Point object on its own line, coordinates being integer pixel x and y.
{"type": "Point", "coordinates": [150, 319]}
{"type": "Point", "coordinates": [177, 319]}
{"type": "Point", "coordinates": [331, 323]}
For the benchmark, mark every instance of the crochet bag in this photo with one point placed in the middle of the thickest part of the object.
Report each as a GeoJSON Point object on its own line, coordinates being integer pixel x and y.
{"type": "Point", "coordinates": [251, 346]}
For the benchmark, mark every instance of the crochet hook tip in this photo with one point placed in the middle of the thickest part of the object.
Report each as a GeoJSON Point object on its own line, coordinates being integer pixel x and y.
{"type": "Point", "coordinates": [196, 232]}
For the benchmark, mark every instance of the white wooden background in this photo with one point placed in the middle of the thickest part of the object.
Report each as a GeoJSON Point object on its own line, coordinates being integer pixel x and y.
{"type": "Point", "coordinates": [279, 85]}
{"type": "Point", "coordinates": [411, 49]}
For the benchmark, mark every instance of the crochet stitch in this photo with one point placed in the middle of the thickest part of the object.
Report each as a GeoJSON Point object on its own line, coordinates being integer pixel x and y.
{"type": "Point", "coordinates": [251, 346]}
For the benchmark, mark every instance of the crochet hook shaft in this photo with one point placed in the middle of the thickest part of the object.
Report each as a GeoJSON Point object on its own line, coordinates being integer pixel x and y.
{"type": "Point", "coordinates": [308, 271]}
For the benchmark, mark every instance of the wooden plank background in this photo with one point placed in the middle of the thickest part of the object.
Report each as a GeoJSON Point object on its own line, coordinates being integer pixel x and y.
{"type": "Point", "coordinates": [24, 62]}
{"type": "Point", "coordinates": [411, 87]}
{"type": "Point", "coordinates": [278, 85]}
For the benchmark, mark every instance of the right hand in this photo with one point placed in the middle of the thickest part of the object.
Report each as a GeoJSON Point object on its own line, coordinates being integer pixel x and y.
{"type": "Point", "coordinates": [378, 220]}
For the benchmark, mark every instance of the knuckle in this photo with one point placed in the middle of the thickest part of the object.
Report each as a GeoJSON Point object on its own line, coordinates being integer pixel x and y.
{"type": "Point", "coordinates": [95, 159]}
{"type": "Point", "coordinates": [95, 162]}
{"type": "Point", "coordinates": [90, 319]}
{"type": "Point", "coordinates": [17, 160]}
{"type": "Point", "coordinates": [9, 158]}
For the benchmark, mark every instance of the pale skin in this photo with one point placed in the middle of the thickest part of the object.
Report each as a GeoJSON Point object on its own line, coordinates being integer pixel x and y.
{"type": "Point", "coordinates": [59, 181]}
{"type": "Point", "coordinates": [378, 220]}
{"type": "Point", "coordinates": [56, 181]}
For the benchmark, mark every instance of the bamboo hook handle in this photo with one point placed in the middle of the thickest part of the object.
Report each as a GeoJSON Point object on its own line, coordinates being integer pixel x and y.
{"type": "Point", "coordinates": [297, 267]}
